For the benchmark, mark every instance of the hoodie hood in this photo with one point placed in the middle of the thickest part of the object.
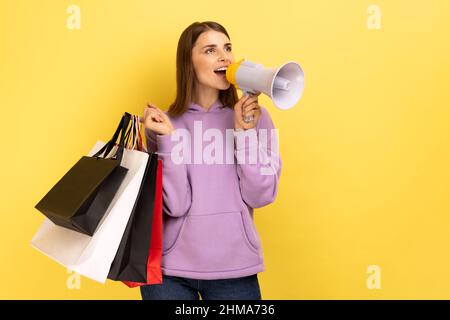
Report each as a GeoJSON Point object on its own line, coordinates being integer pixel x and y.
{"type": "Point", "coordinates": [193, 107]}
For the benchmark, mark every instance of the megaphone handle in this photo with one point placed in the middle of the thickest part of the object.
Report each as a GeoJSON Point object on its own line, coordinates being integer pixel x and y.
{"type": "Point", "coordinates": [248, 119]}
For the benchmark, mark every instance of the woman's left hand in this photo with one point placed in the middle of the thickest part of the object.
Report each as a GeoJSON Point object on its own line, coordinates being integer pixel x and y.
{"type": "Point", "coordinates": [247, 106]}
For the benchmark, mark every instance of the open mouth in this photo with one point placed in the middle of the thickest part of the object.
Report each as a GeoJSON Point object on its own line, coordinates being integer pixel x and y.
{"type": "Point", "coordinates": [221, 75]}
{"type": "Point", "coordinates": [221, 72]}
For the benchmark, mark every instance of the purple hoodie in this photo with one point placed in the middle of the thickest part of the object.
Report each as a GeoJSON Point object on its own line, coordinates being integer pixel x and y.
{"type": "Point", "coordinates": [208, 200]}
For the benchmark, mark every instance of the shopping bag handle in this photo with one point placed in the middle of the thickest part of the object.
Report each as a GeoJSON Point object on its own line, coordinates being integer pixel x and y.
{"type": "Point", "coordinates": [121, 129]}
{"type": "Point", "coordinates": [129, 134]}
{"type": "Point", "coordinates": [133, 137]}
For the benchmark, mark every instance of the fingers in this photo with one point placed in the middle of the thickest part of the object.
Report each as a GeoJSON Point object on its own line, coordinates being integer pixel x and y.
{"type": "Point", "coordinates": [244, 103]}
{"type": "Point", "coordinates": [161, 113]}
{"type": "Point", "coordinates": [250, 107]}
{"type": "Point", "coordinates": [247, 106]}
{"type": "Point", "coordinates": [157, 117]}
{"type": "Point", "coordinates": [256, 114]}
{"type": "Point", "coordinates": [153, 114]}
{"type": "Point", "coordinates": [254, 94]}
{"type": "Point", "coordinates": [249, 113]}
{"type": "Point", "coordinates": [153, 107]}
{"type": "Point", "coordinates": [249, 100]}
{"type": "Point", "coordinates": [242, 100]}
{"type": "Point", "coordinates": [239, 104]}
{"type": "Point", "coordinates": [150, 105]}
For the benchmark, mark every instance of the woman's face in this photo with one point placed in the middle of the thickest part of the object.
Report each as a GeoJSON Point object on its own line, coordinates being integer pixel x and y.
{"type": "Point", "coordinates": [211, 51]}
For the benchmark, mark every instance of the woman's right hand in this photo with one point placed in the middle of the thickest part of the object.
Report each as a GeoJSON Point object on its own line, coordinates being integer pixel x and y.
{"type": "Point", "coordinates": [156, 120]}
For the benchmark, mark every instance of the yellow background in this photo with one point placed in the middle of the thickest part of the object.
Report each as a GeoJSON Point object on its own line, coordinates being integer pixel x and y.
{"type": "Point", "coordinates": [365, 178]}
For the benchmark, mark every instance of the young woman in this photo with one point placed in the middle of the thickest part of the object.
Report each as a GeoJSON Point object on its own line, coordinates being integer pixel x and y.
{"type": "Point", "coordinates": [212, 180]}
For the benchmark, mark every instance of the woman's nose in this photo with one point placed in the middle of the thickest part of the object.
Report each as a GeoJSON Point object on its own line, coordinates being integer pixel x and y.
{"type": "Point", "coordinates": [224, 57]}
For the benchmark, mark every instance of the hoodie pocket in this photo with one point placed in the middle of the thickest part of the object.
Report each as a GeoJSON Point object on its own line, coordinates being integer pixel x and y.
{"type": "Point", "coordinates": [250, 231]}
{"type": "Point", "coordinates": [172, 227]}
{"type": "Point", "coordinates": [212, 242]}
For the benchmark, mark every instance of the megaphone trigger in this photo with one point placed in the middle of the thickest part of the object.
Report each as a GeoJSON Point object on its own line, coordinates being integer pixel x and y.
{"type": "Point", "coordinates": [255, 93]}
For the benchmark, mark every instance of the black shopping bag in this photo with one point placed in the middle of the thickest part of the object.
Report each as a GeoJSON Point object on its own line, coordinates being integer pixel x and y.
{"type": "Point", "coordinates": [130, 262]}
{"type": "Point", "coordinates": [81, 197]}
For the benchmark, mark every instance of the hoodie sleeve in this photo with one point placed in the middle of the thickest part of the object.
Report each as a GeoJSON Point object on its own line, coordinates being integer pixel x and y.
{"type": "Point", "coordinates": [258, 162]}
{"type": "Point", "coordinates": [176, 186]}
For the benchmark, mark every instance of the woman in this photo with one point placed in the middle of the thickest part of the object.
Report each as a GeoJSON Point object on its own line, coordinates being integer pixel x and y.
{"type": "Point", "coordinates": [210, 244]}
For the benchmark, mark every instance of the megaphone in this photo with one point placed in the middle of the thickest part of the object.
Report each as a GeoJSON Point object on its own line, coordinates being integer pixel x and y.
{"type": "Point", "coordinates": [283, 85]}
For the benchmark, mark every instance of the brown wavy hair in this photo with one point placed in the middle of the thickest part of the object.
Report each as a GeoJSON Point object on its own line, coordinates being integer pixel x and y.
{"type": "Point", "coordinates": [185, 69]}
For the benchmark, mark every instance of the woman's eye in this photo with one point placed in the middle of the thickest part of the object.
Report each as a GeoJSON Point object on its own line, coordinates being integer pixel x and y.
{"type": "Point", "coordinates": [207, 51]}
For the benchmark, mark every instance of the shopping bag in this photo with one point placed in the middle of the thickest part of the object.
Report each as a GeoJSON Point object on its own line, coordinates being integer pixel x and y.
{"type": "Point", "coordinates": [130, 262]}
{"type": "Point", "coordinates": [81, 197]}
{"type": "Point", "coordinates": [154, 273]}
{"type": "Point", "coordinates": [92, 256]}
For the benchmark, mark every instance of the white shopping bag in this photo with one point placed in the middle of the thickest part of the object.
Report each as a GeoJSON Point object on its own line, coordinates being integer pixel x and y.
{"type": "Point", "coordinates": [92, 256]}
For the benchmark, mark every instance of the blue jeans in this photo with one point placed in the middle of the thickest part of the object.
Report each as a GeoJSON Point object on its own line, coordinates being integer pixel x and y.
{"type": "Point", "coordinates": [178, 288]}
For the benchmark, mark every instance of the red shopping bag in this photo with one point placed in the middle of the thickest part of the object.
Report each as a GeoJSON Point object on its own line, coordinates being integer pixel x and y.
{"type": "Point", "coordinates": [154, 274]}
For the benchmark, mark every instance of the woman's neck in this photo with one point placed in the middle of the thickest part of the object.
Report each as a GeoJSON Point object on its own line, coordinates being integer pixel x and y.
{"type": "Point", "coordinates": [205, 98]}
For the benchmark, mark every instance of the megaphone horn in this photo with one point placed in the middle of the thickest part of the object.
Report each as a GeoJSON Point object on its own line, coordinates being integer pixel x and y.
{"type": "Point", "coordinates": [283, 85]}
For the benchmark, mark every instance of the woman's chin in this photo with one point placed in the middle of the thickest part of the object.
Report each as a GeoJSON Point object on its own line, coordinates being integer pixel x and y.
{"type": "Point", "coordinates": [224, 86]}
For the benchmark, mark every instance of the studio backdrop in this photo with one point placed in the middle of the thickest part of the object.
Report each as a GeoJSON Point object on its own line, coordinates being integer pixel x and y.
{"type": "Point", "coordinates": [363, 206]}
